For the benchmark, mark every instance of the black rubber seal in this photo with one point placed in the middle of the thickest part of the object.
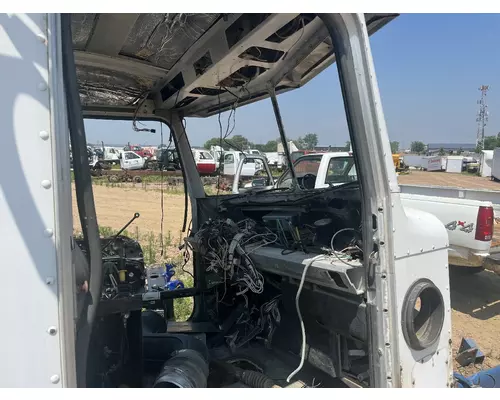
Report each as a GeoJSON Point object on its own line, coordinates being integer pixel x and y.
{"type": "Point", "coordinates": [422, 327]}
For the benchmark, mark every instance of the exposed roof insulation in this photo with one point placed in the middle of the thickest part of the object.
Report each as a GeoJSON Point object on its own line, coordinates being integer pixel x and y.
{"type": "Point", "coordinates": [198, 63]}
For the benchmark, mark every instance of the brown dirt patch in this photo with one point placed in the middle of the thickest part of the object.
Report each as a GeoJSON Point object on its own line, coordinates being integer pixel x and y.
{"type": "Point", "coordinates": [448, 179]}
{"type": "Point", "coordinates": [475, 301]}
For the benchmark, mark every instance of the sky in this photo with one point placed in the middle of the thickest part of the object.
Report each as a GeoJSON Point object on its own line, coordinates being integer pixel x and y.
{"type": "Point", "coordinates": [429, 68]}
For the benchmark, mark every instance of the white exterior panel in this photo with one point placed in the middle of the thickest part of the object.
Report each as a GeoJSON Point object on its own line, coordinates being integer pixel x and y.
{"type": "Point", "coordinates": [434, 164]}
{"type": "Point", "coordinates": [495, 167]}
{"type": "Point", "coordinates": [454, 164]}
{"type": "Point", "coordinates": [32, 355]}
{"type": "Point", "coordinates": [422, 254]}
{"type": "Point", "coordinates": [485, 163]}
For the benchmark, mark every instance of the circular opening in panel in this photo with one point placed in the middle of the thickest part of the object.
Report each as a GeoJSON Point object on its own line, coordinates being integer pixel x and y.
{"type": "Point", "coordinates": [422, 315]}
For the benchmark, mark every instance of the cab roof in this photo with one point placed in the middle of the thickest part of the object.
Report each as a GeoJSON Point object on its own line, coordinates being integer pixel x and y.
{"type": "Point", "coordinates": [197, 64]}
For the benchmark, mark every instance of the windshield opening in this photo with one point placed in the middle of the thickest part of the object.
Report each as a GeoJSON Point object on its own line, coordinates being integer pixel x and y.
{"type": "Point", "coordinates": [304, 167]}
{"type": "Point", "coordinates": [204, 155]}
{"type": "Point", "coordinates": [341, 170]}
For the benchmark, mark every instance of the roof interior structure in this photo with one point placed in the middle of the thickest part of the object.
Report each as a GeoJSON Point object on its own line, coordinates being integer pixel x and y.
{"type": "Point", "coordinates": [197, 64]}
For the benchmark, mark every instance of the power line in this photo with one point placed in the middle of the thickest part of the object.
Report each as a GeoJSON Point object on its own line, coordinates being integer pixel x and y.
{"type": "Point", "coordinates": [482, 116]}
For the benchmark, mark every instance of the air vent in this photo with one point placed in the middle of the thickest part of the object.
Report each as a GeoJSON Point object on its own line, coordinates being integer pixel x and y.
{"type": "Point", "coordinates": [299, 22]}
{"type": "Point", "coordinates": [243, 26]}
{"type": "Point", "coordinates": [202, 64]}
{"type": "Point", "coordinates": [242, 76]}
{"type": "Point", "coordinates": [176, 84]}
{"type": "Point", "coordinates": [246, 98]}
{"type": "Point", "coordinates": [185, 101]}
{"type": "Point", "coordinates": [262, 54]}
{"type": "Point", "coordinates": [207, 91]}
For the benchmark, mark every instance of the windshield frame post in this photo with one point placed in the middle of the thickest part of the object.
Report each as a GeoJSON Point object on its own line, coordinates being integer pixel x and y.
{"type": "Point", "coordinates": [372, 156]}
{"type": "Point", "coordinates": [281, 128]}
{"type": "Point", "coordinates": [184, 151]}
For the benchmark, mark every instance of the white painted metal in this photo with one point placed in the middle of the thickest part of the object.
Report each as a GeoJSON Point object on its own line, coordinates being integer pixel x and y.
{"type": "Point", "coordinates": [291, 146]}
{"type": "Point", "coordinates": [254, 151]}
{"type": "Point", "coordinates": [276, 159]}
{"type": "Point", "coordinates": [421, 252]}
{"type": "Point", "coordinates": [392, 275]}
{"type": "Point", "coordinates": [435, 164]}
{"type": "Point", "coordinates": [35, 206]}
{"type": "Point", "coordinates": [495, 167]}
{"type": "Point", "coordinates": [464, 249]}
{"type": "Point", "coordinates": [454, 164]}
{"type": "Point", "coordinates": [271, 259]}
{"type": "Point", "coordinates": [231, 161]}
{"type": "Point", "coordinates": [204, 161]}
{"type": "Point", "coordinates": [485, 163]}
{"type": "Point", "coordinates": [217, 152]}
{"type": "Point", "coordinates": [321, 172]}
{"type": "Point", "coordinates": [253, 160]}
{"type": "Point", "coordinates": [415, 160]}
{"type": "Point", "coordinates": [492, 196]}
{"type": "Point", "coordinates": [111, 154]}
{"type": "Point", "coordinates": [62, 205]}
{"type": "Point", "coordinates": [131, 160]}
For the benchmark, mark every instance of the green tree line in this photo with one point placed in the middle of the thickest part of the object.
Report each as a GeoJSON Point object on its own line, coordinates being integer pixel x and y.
{"type": "Point", "coordinates": [239, 142]}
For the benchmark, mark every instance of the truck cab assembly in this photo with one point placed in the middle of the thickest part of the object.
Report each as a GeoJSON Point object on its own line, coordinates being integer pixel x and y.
{"type": "Point", "coordinates": [293, 287]}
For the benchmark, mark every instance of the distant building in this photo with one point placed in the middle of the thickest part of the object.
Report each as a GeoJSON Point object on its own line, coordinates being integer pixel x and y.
{"type": "Point", "coordinates": [433, 148]}
{"type": "Point", "coordinates": [329, 148]}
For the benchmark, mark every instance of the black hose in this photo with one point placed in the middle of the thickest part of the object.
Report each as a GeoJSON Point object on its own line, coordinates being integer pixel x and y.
{"type": "Point", "coordinates": [84, 198]}
{"type": "Point", "coordinates": [254, 379]}
{"type": "Point", "coordinates": [250, 378]}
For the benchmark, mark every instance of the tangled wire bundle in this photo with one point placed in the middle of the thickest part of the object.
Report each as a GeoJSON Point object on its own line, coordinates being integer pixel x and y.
{"type": "Point", "coordinates": [225, 244]}
{"type": "Point", "coordinates": [256, 322]}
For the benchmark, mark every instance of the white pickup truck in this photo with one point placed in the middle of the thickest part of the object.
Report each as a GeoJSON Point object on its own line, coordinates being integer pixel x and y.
{"type": "Point", "coordinates": [469, 222]}
{"type": "Point", "coordinates": [131, 161]}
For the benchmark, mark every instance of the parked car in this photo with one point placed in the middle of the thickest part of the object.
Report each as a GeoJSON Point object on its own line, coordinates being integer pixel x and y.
{"type": "Point", "coordinates": [205, 162]}
{"type": "Point", "coordinates": [131, 160]}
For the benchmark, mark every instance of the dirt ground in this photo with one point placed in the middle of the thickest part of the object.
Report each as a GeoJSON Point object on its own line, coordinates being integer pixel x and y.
{"type": "Point", "coordinates": [475, 302]}
{"type": "Point", "coordinates": [475, 299]}
{"type": "Point", "coordinates": [447, 179]}
{"type": "Point", "coordinates": [116, 206]}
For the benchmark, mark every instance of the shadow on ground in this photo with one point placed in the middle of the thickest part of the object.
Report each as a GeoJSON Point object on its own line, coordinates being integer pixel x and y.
{"type": "Point", "coordinates": [475, 294]}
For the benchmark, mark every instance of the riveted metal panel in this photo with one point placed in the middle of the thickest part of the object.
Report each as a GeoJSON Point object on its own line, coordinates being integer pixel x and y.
{"type": "Point", "coordinates": [30, 330]}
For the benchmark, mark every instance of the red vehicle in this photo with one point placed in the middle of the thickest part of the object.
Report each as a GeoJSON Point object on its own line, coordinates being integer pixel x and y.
{"type": "Point", "coordinates": [139, 150]}
{"type": "Point", "coordinates": [205, 163]}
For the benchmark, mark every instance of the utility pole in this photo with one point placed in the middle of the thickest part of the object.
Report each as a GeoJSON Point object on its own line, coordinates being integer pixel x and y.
{"type": "Point", "coordinates": [482, 116]}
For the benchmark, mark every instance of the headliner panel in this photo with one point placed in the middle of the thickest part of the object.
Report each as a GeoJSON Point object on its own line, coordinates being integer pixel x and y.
{"type": "Point", "coordinates": [123, 59]}
{"type": "Point", "coordinates": [102, 86]}
{"type": "Point", "coordinates": [162, 39]}
{"type": "Point", "coordinates": [82, 25]}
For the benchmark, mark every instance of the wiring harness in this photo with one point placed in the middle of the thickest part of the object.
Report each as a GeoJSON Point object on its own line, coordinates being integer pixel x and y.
{"type": "Point", "coordinates": [257, 322]}
{"type": "Point", "coordinates": [226, 247]}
